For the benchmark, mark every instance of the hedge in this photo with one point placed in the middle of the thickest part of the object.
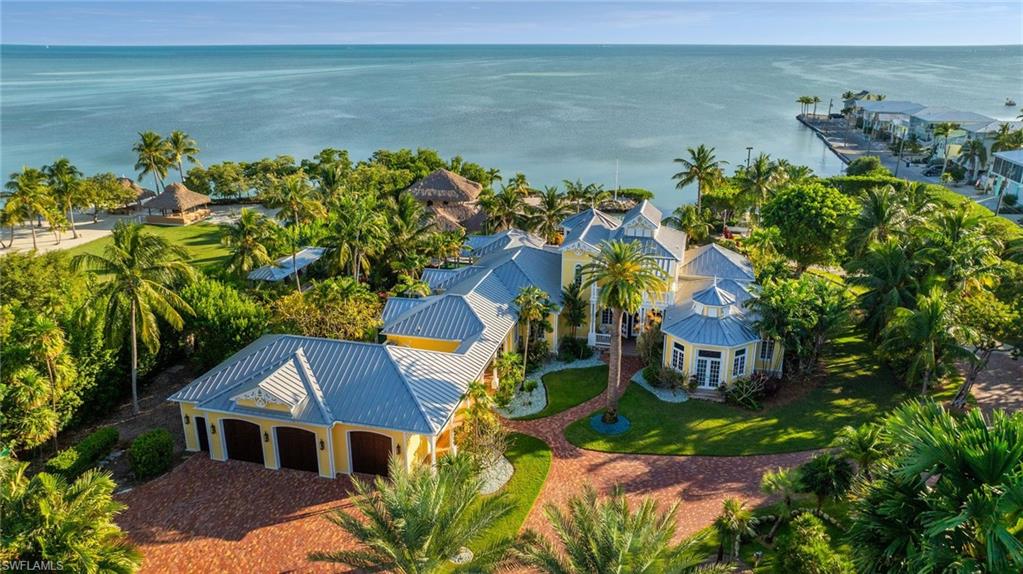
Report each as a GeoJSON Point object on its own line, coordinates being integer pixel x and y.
{"type": "Point", "coordinates": [75, 460]}
{"type": "Point", "coordinates": [151, 453]}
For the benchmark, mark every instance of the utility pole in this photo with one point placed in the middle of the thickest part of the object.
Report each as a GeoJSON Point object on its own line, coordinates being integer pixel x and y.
{"type": "Point", "coordinates": [749, 151]}
{"type": "Point", "coordinates": [898, 160]}
{"type": "Point", "coordinates": [831, 102]}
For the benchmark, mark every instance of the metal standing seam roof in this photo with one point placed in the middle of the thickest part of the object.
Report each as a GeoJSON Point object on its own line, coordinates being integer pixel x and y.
{"type": "Point", "coordinates": [646, 210]}
{"type": "Point", "coordinates": [482, 245]}
{"type": "Point", "coordinates": [725, 331]}
{"type": "Point", "coordinates": [1014, 156]}
{"type": "Point", "coordinates": [360, 383]}
{"type": "Point", "coordinates": [448, 317]}
{"type": "Point", "coordinates": [592, 227]}
{"type": "Point", "coordinates": [891, 107]}
{"type": "Point", "coordinates": [714, 296]}
{"type": "Point", "coordinates": [395, 306]}
{"type": "Point", "coordinates": [942, 114]}
{"type": "Point", "coordinates": [712, 260]}
{"type": "Point", "coordinates": [440, 279]}
{"type": "Point", "coordinates": [285, 267]}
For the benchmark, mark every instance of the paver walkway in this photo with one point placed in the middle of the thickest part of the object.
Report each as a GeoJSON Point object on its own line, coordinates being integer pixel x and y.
{"type": "Point", "coordinates": [1000, 386]}
{"type": "Point", "coordinates": [700, 482]}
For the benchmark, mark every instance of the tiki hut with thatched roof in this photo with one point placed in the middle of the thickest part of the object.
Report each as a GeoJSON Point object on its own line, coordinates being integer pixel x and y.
{"type": "Point", "coordinates": [137, 195]}
{"type": "Point", "coordinates": [178, 205]}
{"type": "Point", "coordinates": [453, 199]}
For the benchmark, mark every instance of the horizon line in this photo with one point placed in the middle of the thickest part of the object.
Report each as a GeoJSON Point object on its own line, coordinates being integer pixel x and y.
{"type": "Point", "coordinates": [512, 44]}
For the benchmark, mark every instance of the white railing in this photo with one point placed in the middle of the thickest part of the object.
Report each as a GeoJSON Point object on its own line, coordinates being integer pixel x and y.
{"type": "Point", "coordinates": [602, 340]}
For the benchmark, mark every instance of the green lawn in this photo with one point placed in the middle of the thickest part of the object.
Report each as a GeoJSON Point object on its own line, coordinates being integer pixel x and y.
{"type": "Point", "coordinates": [856, 391]}
{"type": "Point", "coordinates": [201, 240]}
{"type": "Point", "coordinates": [531, 458]}
{"type": "Point", "coordinates": [566, 389]}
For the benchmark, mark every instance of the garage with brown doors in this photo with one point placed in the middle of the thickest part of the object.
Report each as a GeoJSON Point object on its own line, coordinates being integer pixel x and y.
{"type": "Point", "coordinates": [296, 448]}
{"type": "Point", "coordinates": [243, 439]}
{"type": "Point", "coordinates": [370, 452]}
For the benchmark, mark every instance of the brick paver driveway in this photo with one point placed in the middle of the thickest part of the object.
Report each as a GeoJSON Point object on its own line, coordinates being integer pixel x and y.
{"type": "Point", "coordinates": [700, 482]}
{"type": "Point", "coordinates": [208, 516]}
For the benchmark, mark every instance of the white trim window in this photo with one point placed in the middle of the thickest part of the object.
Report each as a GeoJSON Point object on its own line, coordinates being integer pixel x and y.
{"type": "Point", "coordinates": [578, 275]}
{"type": "Point", "coordinates": [739, 363]}
{"type": "Point", "coordinates": [678, 357]}
{"type": "Point", "coordinates": [607, 316]}
{"type": "Point", "coordinates": [766, 350]}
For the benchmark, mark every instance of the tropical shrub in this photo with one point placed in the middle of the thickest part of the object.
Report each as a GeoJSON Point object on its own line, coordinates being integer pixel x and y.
{"type": "Point", "coordinates": [481, 436]}
{"type": "Point", "coordinates": [825, 476]}
{"type": "Point", "coordinates": [223, 320]}
{"type": "Point", "coordinates": [151, 453]}
{"type": "Point", "coordinates": [650, 345]}
{"type": "Point", "coordinates": [869, 165]}
{"type": "Point", "coordinates": [663, 377]}
{"type": "Point", "coordinates": [75, 460]}
{"type": "Point", "coordinates": [749, 392]}
{"type": "Point", "coordinates": [49, 519]}
{"type": "Point", "coordinates": [573, 348]}
{"type": "Point", "coordinates": [335, 309]}
{"type": "Point", "coordinates": [813, 220]}
{"type": "Point", "coordinates": [806, 549]}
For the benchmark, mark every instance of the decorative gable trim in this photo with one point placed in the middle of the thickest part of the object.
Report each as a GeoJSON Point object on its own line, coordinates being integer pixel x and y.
{"type": "Point", "coordinates": [261, 397]}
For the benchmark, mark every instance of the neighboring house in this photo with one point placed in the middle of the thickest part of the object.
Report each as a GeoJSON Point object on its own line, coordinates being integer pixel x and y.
{"type": "Point", "coordinates": [888, 116]}
{"type": "Point", "coordinates": [341, 407]}
{"type": "Point", "coordinates": [287, 266]}
{"type": "Point", "coordinates": [1007, 173]}
{"type": "Point", "coordinates": [178, 205]}
{"type": "Point", "coordinates": [988, 133]}
{"type": "Point", "coordinates": [922, 122]}
{"type": "Point", "coordinates": [452, 199]}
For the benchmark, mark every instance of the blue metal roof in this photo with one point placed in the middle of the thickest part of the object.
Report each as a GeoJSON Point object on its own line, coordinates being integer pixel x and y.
{"type": "Point", "coordinates": [715, 261]}
{"type": "Point", "coordinates": [396, 306]}
{"type": "Point", "coordinates": [285, 267]}
{"type": "Point", "coordinates": [714, 296]}
{"type": "Point", "coordinates": [725, 331]}
{"type": "Point", "coordinates": [448, 317]}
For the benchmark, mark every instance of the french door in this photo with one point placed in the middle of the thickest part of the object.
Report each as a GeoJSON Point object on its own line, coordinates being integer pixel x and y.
{"type": "Point", "coordinates": [708, 369]}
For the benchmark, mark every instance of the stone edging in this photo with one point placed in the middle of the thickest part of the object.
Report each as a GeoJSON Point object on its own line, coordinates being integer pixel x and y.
{"type": "Point", "coordinates": [517, 408]}
{"type": "Point", "coordinates": [665, 395]}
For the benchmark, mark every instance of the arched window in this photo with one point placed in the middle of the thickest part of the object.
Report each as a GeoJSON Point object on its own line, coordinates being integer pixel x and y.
{"type": "Point", "coordinates": [578, 275]}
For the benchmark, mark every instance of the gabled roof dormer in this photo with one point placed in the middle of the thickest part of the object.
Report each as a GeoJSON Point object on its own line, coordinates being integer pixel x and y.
{"type": "Point", "coordinates": [643, 220]}
{"type": "Point", "coordinates": [287, 386]}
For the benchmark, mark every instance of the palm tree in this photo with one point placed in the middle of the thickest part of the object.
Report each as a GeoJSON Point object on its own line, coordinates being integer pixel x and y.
{"type": "Point", "coordinates": [825, 476]}
{"type": "Point", "coordinates": [493, 174]}
{"type": "Point", "coordinates": [505, 209]}
{"type": "Point", "coordinates": [926, 332]}
{"type": "Point", "coordinates": [65, 183]}
{"type": "Point", "coordinates": [181, 148]}
{"type": "Point", "coordinates": [960, 246]}
{"type": "Point", "coordinates": [152, 152]}
{"type": "Point", "coordinates": [815, 100]}
{"type": "Point", "coordinates": [247, 239]}
{"type": "Point", "coordinates": [533, 305]}
{"type": "Point", "coordinates": [1007, 139]}
{"type": "Point", "coordinates": [573, 306]}
{"type": "Point", "coordinates": [881, 216]}
{"type": "Point", "coordinates": [549, 213]}
{"type": "Point", "coordinates": [784, 483]}
{"type": "Point", "coordinates": [71, 524]}
{"type": "Point", "coordinates": [575, 192]}
{"type": "Point", "coordinates": [29, 198]}
{"type": "Point", "coordinates": [30, 394]}
{"type": "Point", "coordinates": [142, 271]}
{"type": "Point", "coordinates": [623, 274]}
{"type": "Point", "coordinates": [735, 521]}
{"type": "Point", "coordinates": [295, 200]}
{"type": "Point", "coordinates": [358, 230]}
{"type": "Point", "coordinates": [975, 153]}
{"type": "Point", "coordinates": [944, 130]}
{"type": "Point", "coordinates": [888, 275]}
{"type": "Point", "coordinates": [760, 180]}
{"type": "Point", "coordinates": [692, 220]}
{"type": "Point", "coordinates": [410, 228]}
{"type": "Point", "coordinates": [918, 201]}
{"type": "Point", "coordinates": [47, 344]}
{"type": "Point", "coordinates": [520, 184]}
{"type": "Point", "coordinates": [862, 445]}
{"type": "Point", "coordinates": [596, 194]}
{"type": "Point", "coordinates": [702, 167]}
{"type": "Point", "coordinates": [419, 520]}
{"type": "Point", "coordinates": [609, 537]}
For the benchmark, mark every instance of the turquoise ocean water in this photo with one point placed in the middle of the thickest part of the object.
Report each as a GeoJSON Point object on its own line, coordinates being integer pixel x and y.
{"type": "Point", "coordinates": [553, 112]}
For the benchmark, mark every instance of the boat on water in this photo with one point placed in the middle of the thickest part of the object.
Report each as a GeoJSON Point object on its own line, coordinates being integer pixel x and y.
{"type": "Point", "coordinates": [1010, 102]}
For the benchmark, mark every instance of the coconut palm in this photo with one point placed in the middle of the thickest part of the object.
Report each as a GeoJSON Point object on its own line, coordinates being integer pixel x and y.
{"type": "Point", "coordinates": [410, 227]}
{"type": "Point", "coordinates": [152, 152]}
{"type": "Point", "coordinates": [573, 306]}
{"type": "Point", "coordinates": [735, 522]}
{"type": "Point", "coordinates": [493, 174]}
{"type": "Point", "coordinates": [975, 153]}
{"type": "Point", "coordinates": [29, 198]}
{"type": "Point", "coordinates": [141, 272]}
{"type": "Point", "coordinates": [520, 184]}
{"type": "Point", "coordinates": [692, 220]}
{"type": "Point", "coordinates": [72, 524]}
{"type": "Point", "coordinates": [944, 131]}
{"type": "Point", "coordinates": [760, 180]}
{"type": "Point", "coordinates": [596, 195]}
{"type": "Point", "coordinates": [505, 209]}
{"type": "Point", "coordinates": [247, 239]}
{"type": "Point", "coordinates": [419, 520]}
{"type": "Point", "coordinates": [623, 274]}
{"type": "Point", "coordinates": [357, 231]}
{"type": "Point", "coordinates": [47, 344]}
{"type": "Point", "coordinates": [65, 180]}
{"type": "Point", "coordinates": [701, 167]}
{"type": "Point", "coordinates": [1007, 139]}
{"type": "Point", "coordinates": [575, 192]}
{"type": "Point", "coordinates": [532, 305]}
{"type": "Point", "coordinates": [927, 332]}
{"type": "Point", "coordinates": [295, 199]}
{"type": "Point", "coordinates": [815, 100]}
{"type": "Point", "coordinates": [959, 245]}
{"type": "Point", "coordinates": [548, 214]}
{"type": "Point", "coordinates": [181, 148]}
{"type": "Point", "coordinates": [784, 483]}
{"type": "Point", "coordinates": [862, 445]}
{"type": "Point", "coordinates": [881, 216]}
{"type": "Point", "coordinates": [609, 537]}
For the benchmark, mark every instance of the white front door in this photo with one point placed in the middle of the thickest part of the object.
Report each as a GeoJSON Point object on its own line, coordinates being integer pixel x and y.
{"type": "Point", "coordinates": [708, 369]}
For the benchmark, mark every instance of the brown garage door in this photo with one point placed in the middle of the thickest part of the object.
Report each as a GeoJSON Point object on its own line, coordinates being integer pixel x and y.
{"type": "Point", "coordinates": [244, 441]}
{"type": "Point", "coordinates": [370, 452]}
{"type": "Point", "coordinates": [297, 449]}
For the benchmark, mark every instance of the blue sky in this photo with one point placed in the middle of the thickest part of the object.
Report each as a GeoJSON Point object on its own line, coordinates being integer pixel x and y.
{"type": "Point", "coordinates": [846, 22]}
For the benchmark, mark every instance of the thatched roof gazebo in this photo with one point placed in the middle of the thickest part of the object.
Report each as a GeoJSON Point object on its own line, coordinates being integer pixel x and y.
{"type": "Point", "coordinates": [178, 205]}
{"type": "Point", "coordinates": [138, 194]}
{"type": "Point", "coordinates": [453, 200]}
